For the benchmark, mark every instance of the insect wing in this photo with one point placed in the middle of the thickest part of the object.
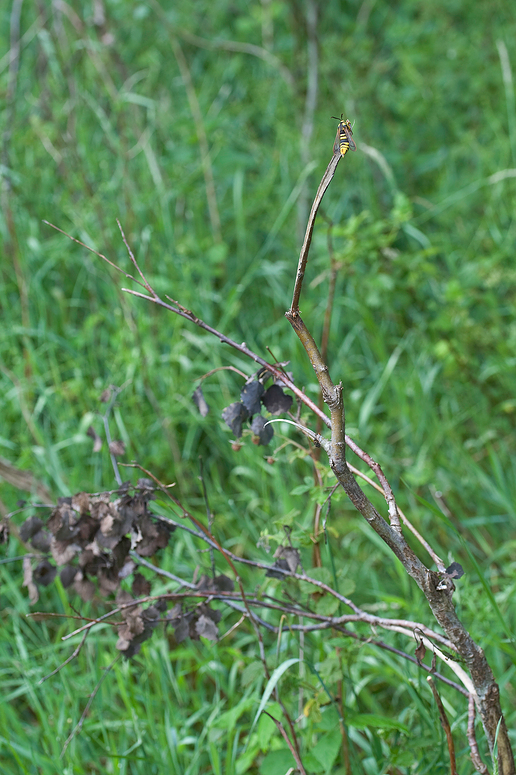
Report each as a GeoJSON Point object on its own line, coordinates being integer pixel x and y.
{"type": "Point", "coordinates": [336, 144]}
{"type": "Point", "coordinates": [346, 129]}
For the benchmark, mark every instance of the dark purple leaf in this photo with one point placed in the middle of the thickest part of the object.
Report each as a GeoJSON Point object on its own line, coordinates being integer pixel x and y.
{"type": "Point", "coordinates": [30, 527]}
{"type": "Point", "coordinates": [140, 586]}
{"type": "Point", "coordinates": [44, 573]}
{"type": "Point", "coordinates": [67, 575]}
{"type": "Point", "coordinates": [280, 564]}
{"type": "Point", "coordinates": [262, 434]}
{"type": "Point", "coordinates": [250, 395]}
{"type": "Point", "coordinates": [223, 583]}
{"type": "Point", "coordinates": [455, 571]}
{"type": "Point", "coordinates": [234, 415]}
{"type": "Point", "coordinates": [41, 541]}
{"type": "Point", "coordinates": [276, 401]}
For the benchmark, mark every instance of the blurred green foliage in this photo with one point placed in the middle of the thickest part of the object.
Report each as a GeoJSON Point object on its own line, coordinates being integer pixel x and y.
{"type": "Point", "coordinates": [110, 115]}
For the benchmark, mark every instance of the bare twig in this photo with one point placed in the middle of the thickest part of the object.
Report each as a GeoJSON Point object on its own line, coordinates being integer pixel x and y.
{"type": "Point", "coordinates": [445, 725]}
{"type": "Point", "coordinates": [472, 740]}
{"type": "Point", "coordinates": [437, 590]}
{"type": "Point", "coordinates": [275, 370]}
{"type": "Point", "coordinates": [293, 751]}
{"type": "Point", "coordinates": [305, 248]}
{"type": "Point", "coordinates": [70, 658]}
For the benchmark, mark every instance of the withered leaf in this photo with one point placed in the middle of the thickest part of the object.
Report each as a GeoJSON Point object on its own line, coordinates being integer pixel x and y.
{"type": "Point", "coordinates": [62, 517]}
{"type": "Point", "coordinates": [151, 616]}
{"type": "Point", "coordinates": [44, 573]}
{"type": "Point", "coordinates": [147, 487]}
{"type": "Point", "coordinates": [30, 527]}
{"type": "Point", "coordinates": [140, 586]}
{"type": "Point", "coordinates": [105, 395]}
{"type": "Point", "coordinates": [234, 415]}
{"type": "Point", "coordinates": [223, 583]}
{"type": "Point", "coordinates": [200, 401]}
{"type": "Point", "coordinates": [212, 613]}
{"type": "Point", "coordinates": [97, 441]}
{"type": "Point", "coordinates": [250, 395]}
{"type": "Point", "coordinates": [41, 541]}
{"type": "Point", "coordinates": [117, 448]}
{"type": "Point", "coordinates": [262, 434]}
{"type": "Point", "coordinates": [28, 581]}
{"type": "Point", "coordinates": [81, 503]}
{"type": "Point", "coordinates": [63, 551]}
{"type": "Point", "coordinates": [455, 570]}
{"type": "Point", "coordinates": [182, 629]}
{"type": "Point", "coordinates": [290, 555]}
{"type": "Point", "coordinates": [175, 613]}
{"type": "Point", "coordinates": [154, 536]}
{"type": "Point", "coordinates": [123, 597]}
{"type": "Point", "coordinates": [126, 569]}
{"type": "Point", "coordinates": [108, 581]}
{"type": "Point", "coordinates": [84, 587]}
{"type": "Point", "coordinates": [205, 627]}
{"type": "Point", "coordinates": [67, 575]}
{"type": "Point", "coordinates": [420, 652]}
{"type": "Point", "coordinates": [276, 401]}
{"type": "Point", "coordinates": [280, 565]}
{"type": "Point", "coordinates": [205, 582]}
{"type": "Point", "coordinates": [4, 531]}
{"type": "Point", "coordinates": [138, 628]}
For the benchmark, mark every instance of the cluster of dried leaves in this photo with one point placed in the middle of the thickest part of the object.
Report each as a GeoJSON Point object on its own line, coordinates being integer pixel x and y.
{"type": "Point", "coordinates": [252, 397]}
{"type": "Point", "coordinates": [88, 539]}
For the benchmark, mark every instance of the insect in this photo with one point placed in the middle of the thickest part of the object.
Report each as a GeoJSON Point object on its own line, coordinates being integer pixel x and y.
{"type": "Point", "coordinates": [344, 140]}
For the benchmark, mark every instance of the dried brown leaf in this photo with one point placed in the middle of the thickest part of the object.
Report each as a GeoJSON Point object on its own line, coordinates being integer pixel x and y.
{"type": "Point", "coordinates": [97, 441]}
{"type": "Point", "coordinates": [28, 582]}
{"type": "Point", "coordinates": [117, 448]}
{"type": "Point", "coordinates": [205, 627]}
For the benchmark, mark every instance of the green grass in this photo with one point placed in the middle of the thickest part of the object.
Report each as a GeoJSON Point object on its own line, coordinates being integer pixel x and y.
{"type": "Point", "coordinates": [423, 336]}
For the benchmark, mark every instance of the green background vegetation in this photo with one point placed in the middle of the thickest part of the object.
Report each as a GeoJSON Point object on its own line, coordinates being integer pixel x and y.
{"type": "Point", "coordinates": [109, 119]}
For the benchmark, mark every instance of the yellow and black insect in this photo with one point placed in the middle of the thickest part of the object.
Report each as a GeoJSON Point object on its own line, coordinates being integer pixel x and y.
{"type": "Point", "coordinates": [344, 141]}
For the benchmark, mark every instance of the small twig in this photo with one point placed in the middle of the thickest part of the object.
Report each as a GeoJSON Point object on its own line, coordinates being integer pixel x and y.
{"type": "Point", "coordinates": [165, 573]}
{"type": "Point", "coordinates": [445, 725]}
{"type": "Point", "coordinates": [303, 256]}
{"type": "Point", "coordinates": [234, 627]}
{"type": "Point", "coordinates": [293, 751]}
{"type": "Point", "coordinates": [100, 255]}
{"type": "Point", "coordinates": [223, 368]}
{"type": "Point", "coordinates": [435, 557]}
{"type": "Point", "coordinates": [70, 658]}
{"type": "Point", "coordinates": [276, 371]}
{"type": "Point", "coordinates": [133, 260]}
{"type": "Point", "coordinates": [472, 740]}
